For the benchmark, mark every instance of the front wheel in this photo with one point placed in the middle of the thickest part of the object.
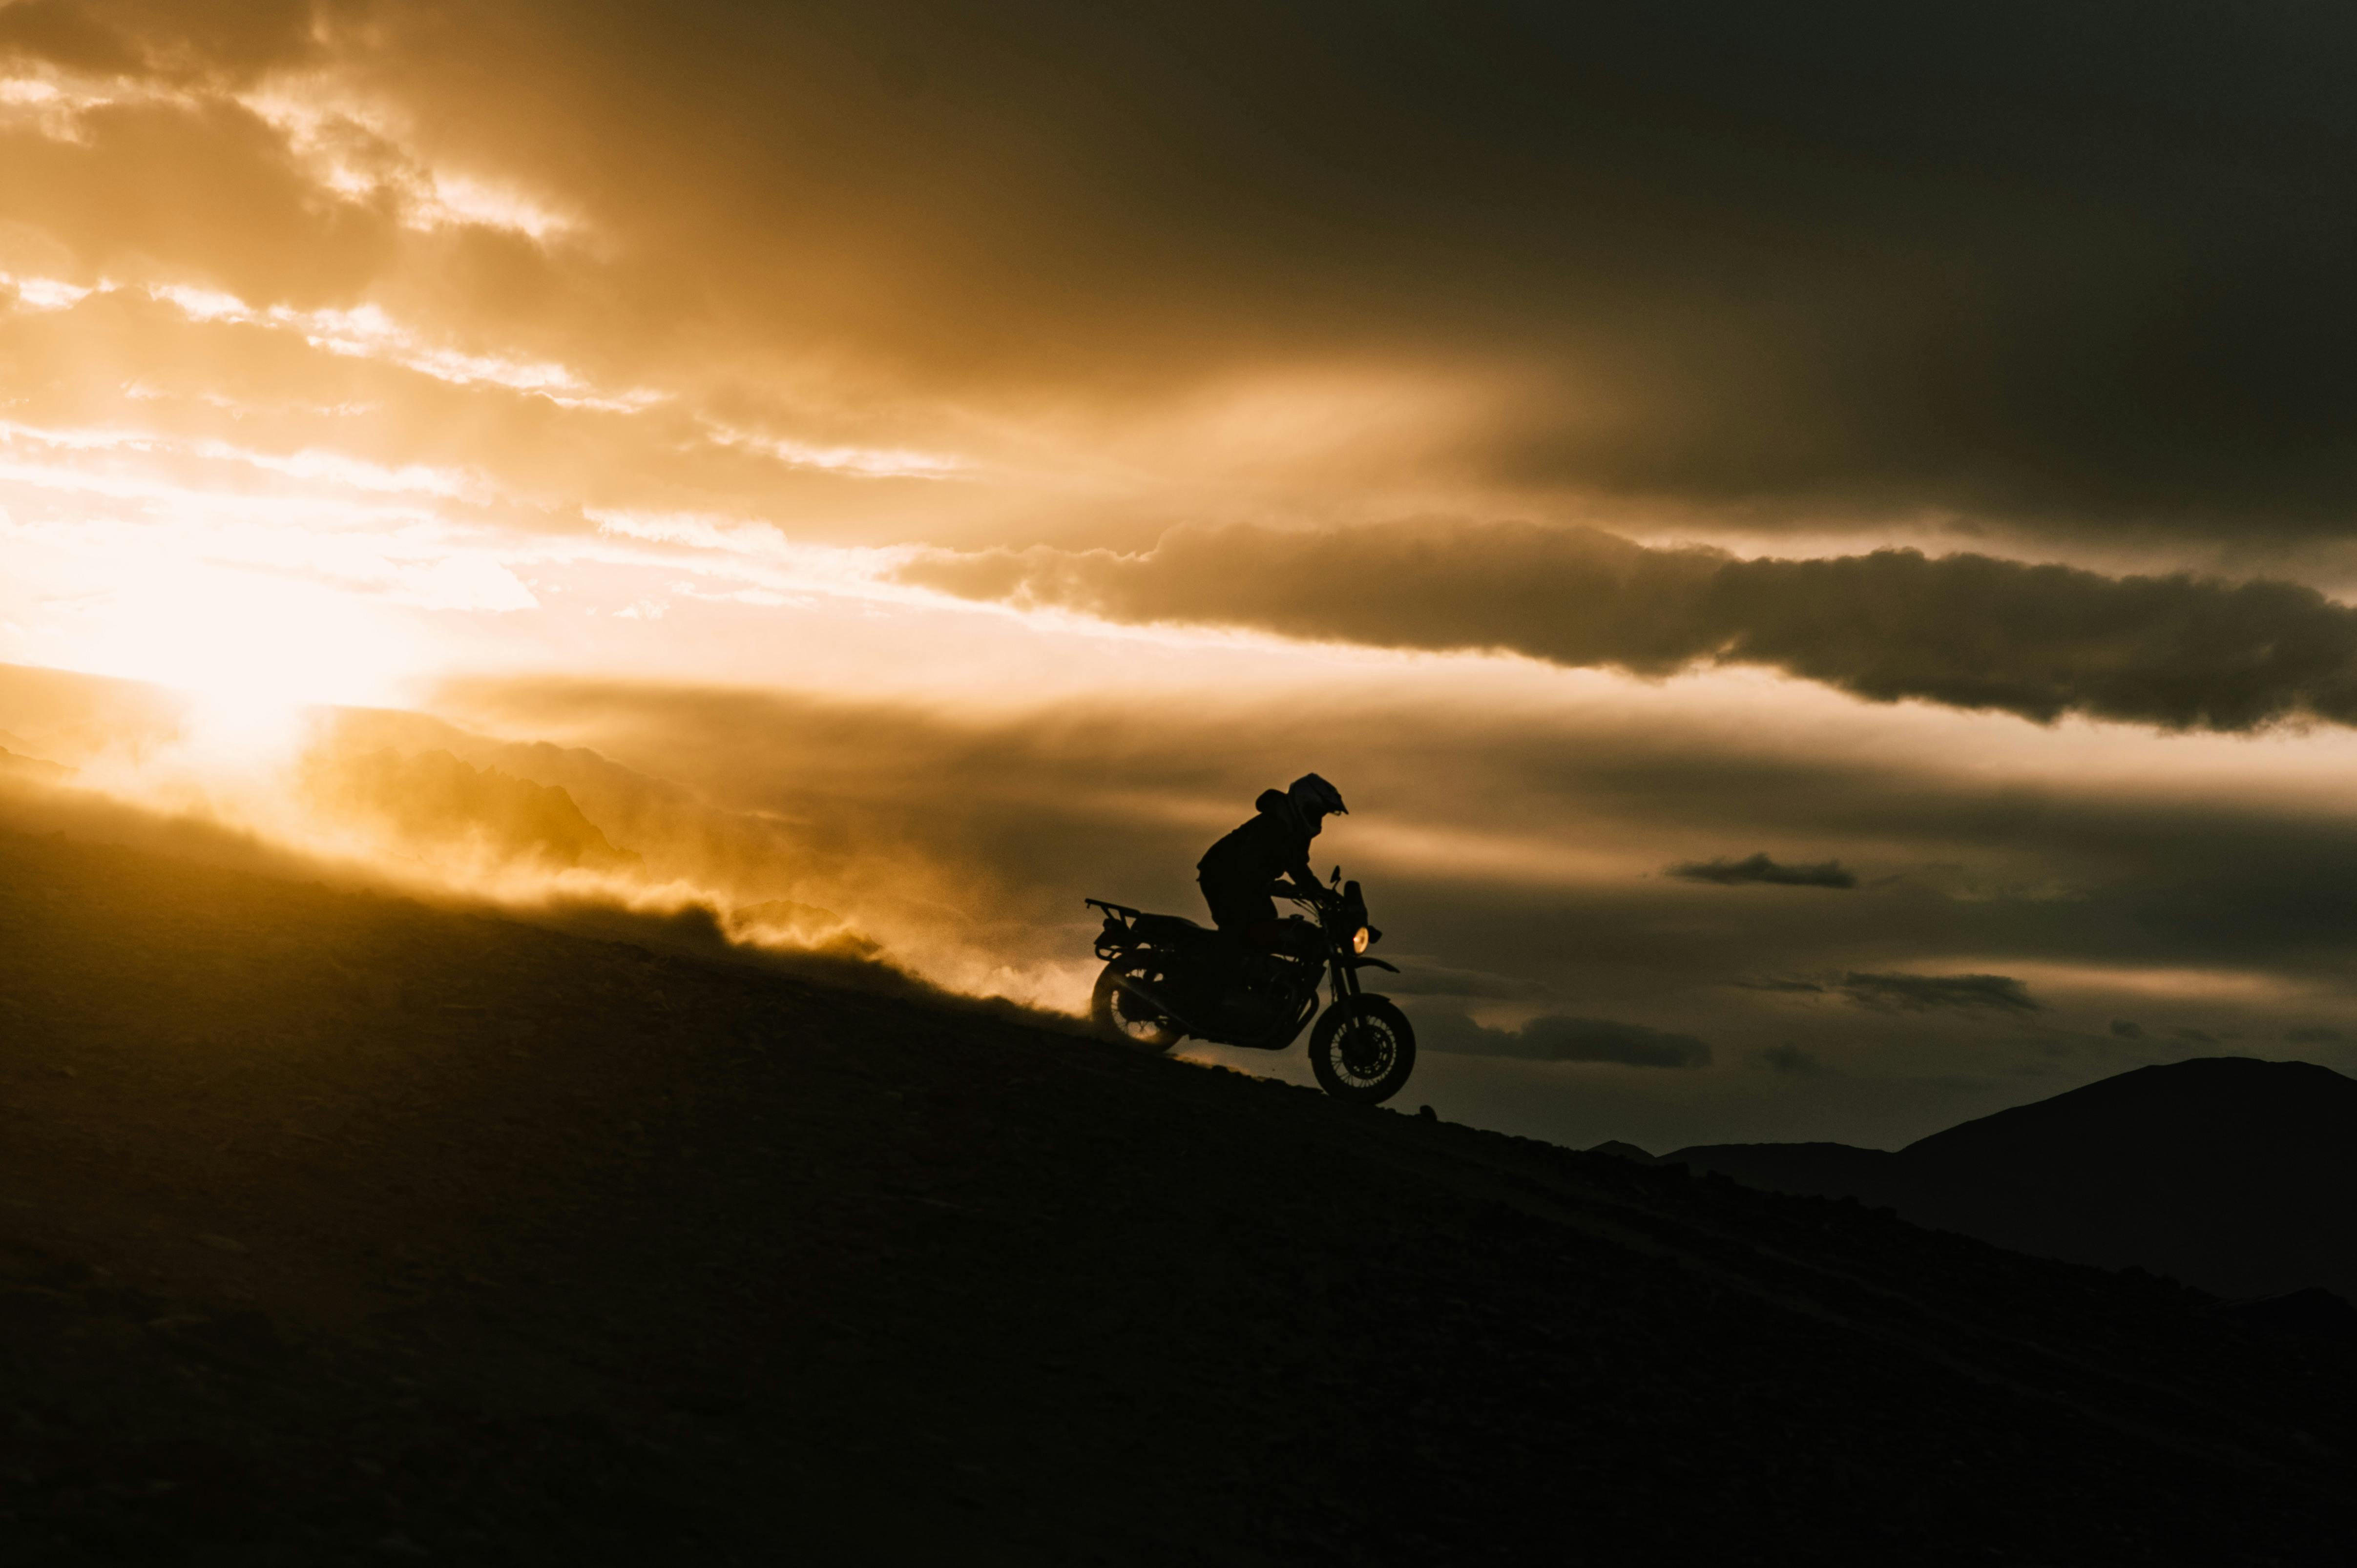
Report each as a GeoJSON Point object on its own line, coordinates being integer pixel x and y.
{"type": "Point", "coordinates": [1363, 1049]}
{"type": "Point", "coordinates": [1125, 1017]}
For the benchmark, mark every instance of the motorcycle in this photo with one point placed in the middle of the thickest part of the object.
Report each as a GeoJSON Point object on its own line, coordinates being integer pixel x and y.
{"type": "Point", "coordinates": [1166, 979]}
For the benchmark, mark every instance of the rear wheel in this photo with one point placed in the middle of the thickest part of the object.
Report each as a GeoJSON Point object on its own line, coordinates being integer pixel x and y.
{"type": "Point", "coordinates": [1125, 1017]}
{"type": "Point", "coordinates": [1363, 1049]}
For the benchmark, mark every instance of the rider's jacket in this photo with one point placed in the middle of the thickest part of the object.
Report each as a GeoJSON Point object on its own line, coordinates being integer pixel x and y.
{"type": "Point", "coordinates": [1272, 846]}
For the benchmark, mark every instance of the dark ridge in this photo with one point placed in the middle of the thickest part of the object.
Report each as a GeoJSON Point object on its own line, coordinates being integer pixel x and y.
{"type": "Point", "coordinates": [337, 1229]}
{"type": "Point", "coordinates": [2315, 1311]}
{"type": "Point", "coordinates": [1812, 1170]}
{"type": "Point", "coordinates": [22, 765]}
{"type": "Point", "coordinates": [2228, 1173]}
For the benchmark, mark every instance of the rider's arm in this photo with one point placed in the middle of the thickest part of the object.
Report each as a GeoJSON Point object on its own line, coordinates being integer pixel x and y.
{"type": "Point", "coordinates": [1305, 881]}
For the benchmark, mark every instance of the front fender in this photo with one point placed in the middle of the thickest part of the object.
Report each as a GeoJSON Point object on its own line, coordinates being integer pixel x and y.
{"type": "Point", "coordinates": [1360, 961]}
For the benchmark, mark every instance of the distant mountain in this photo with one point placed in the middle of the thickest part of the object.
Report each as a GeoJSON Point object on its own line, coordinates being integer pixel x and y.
{"type": "Point", "coordinates": [2236, 1175]}
{"type": "Point", "coordinates": [432, 801]}
{"type": "Point", "coordinates": [23, 766]}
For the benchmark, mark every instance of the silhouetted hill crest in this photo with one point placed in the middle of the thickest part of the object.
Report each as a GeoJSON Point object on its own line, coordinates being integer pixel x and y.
{"type": "Point", "coordinates": [556, 1250]}
{"type": "Point", "coordinates": [2230, 1173]}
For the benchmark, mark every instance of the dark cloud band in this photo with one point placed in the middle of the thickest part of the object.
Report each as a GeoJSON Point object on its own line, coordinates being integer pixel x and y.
{"type": "Point", "coordinates": [1969, 632]}
{"type": "Point", "coordinates": [2078, 266]}
{"type": "Point", "coordinates": [1922, 992]}
{"type": "Point", "coordinates": [1764, 869]}
{"type": "Point", "coordinates": [1557, 1038]}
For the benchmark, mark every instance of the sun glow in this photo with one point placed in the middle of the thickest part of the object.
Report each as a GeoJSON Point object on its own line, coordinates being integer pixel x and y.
{"type": "Point", "coordinates": [251, 652]}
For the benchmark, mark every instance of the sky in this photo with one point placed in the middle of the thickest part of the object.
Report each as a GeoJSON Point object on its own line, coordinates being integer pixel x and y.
{"type": "Point", "coordinates": [1816, 542]}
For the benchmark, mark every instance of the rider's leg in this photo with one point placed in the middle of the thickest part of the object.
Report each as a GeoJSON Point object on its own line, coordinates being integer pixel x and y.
{"type": "Point", "coordinates": [1236, 910]}
{"type": "Point", "coordinates": [1244, 915]}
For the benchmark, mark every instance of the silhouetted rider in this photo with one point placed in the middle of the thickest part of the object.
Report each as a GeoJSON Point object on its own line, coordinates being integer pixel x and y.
{"type": "Point", "coordinates": [1239, 873]}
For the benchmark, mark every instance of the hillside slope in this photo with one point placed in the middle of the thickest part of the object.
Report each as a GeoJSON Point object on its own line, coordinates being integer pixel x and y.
{"type": "Point", "coordinates": [333, 1229]}
{"type": "Point", "coordinates": [2226, 1172]}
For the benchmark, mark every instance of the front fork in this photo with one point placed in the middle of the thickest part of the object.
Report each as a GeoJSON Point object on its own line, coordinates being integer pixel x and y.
{"type": "Point", "coordinates": [1345, 982]}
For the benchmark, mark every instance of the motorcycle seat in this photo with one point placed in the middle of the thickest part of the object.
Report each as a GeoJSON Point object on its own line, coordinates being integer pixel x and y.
{"type": "Point", "coordinates": [1170, 925]}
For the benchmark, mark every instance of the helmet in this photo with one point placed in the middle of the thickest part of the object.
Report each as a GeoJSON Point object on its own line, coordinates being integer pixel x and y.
{"type": "Point", "coordinates": [1314, 798]}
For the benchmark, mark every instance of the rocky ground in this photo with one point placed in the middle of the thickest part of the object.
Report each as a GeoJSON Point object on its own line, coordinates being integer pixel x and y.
{"type": "Point", "coordinates": [334, 1228]}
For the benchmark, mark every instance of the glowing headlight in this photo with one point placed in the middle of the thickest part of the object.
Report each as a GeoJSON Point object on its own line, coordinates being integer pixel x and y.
{"type": "Point", "coordinates": [1359, 939]}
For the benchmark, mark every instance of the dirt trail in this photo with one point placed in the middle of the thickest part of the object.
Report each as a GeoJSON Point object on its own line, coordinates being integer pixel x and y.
{"type": "Point", "coordinates": [333, 1229]}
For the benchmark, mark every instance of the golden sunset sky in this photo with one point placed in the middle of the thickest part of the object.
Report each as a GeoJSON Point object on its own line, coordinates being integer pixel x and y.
{"type": "Point", "coordinates": [1814, 542]}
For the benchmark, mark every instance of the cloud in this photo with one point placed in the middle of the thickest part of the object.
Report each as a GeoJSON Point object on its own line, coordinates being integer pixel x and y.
{"type": "Point", "coordinates": [1745, 258]}
{"type": "Point", "coordinates": [2315, 1035]}
{"type": "Point", "coordinates": [961, 837]}
{"type": "Point", "coordinates": [170, 40]}
{"type": "Point", "coordinates": [1420, 978]}
{"type": "Point", "coordinates": [63, 34]}
{"type": "Point", "coordinates": [1761, 868]}
{"type": "Point", "coordinates": [1044, 796]}
{"type": "Point", "coordinates": [1923, 992]}
{"type": "Point", "coordinates": [1557, 1038]}
{"type": "Point", "coordinates": [2126, 1029]}
{"type": "Point", "coordinates": [1968, 631]}
{"type": "Point", "coordinates": [1791, 1060]}
{"type": "Point", "coordinates": [1706, 257]}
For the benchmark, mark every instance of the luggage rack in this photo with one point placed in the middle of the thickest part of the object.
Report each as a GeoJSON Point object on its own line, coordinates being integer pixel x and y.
{"type": "Point", "coordinates": [1119, 927]}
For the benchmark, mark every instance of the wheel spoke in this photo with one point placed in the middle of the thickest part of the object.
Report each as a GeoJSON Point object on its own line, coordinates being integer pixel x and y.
{"type": "Point", "coordinates": [1365, 1050]}
{"type": "Point", "coordinates": [1132, 1017]}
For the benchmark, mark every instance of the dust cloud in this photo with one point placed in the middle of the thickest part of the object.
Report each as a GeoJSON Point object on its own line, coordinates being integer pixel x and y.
{"type": "Point", "coordinates": [411, 804]}
{"type": "Point", "coordinates": [900, 841]}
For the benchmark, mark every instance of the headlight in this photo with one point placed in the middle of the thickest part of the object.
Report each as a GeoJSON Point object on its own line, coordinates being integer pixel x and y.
{"type": "Point", "coordinates": [1359, 939]}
